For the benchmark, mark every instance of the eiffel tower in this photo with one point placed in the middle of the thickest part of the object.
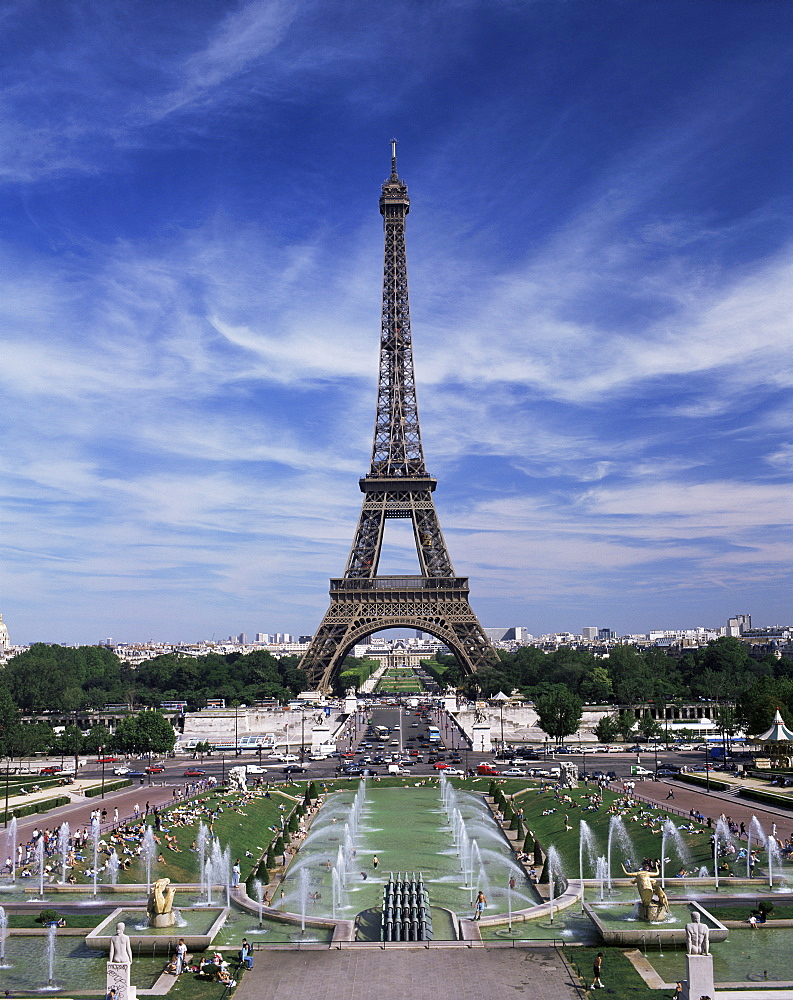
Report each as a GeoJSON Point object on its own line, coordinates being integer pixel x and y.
{"type": "Point", "coordinates": [397, 485]}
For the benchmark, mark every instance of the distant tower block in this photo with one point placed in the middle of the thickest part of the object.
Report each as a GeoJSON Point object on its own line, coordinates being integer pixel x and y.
{"type": "Point", "coordinates": [397, 485]}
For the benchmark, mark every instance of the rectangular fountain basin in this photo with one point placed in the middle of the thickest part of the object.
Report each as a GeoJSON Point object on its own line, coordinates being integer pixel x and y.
{"type": "Point", "coordinates": [202, 924]}
{"type": "Point", "coordinates": [615, 926]}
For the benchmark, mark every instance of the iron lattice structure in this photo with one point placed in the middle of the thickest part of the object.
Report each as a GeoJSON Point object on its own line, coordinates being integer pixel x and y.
{"type": "Point", "coordinates": [397, 485]}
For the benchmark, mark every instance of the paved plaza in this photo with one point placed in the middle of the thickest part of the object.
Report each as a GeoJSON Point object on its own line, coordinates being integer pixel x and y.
{"type": "Point", "coordinates": [409, 974]}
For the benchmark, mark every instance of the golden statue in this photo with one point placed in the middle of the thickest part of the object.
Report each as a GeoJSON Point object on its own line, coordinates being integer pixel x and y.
{"type": "Point", "coordinates": [645, 882]}
{"type": "Point", "coordinates": [160, 903]}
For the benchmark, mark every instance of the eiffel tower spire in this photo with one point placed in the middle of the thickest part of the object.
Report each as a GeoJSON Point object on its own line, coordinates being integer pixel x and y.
{"type": "Point", "coordinates": [396, 486]}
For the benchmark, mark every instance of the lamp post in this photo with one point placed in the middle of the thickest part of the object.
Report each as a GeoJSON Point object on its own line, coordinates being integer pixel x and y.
{"type": "Point", "coordinates": [102, 751]}
{"type": "Point", "coordinates": [501, 706]}
{"type": "Point", "coordinates": [302, 734]}
{"type": "Point", "coordinates": [236, 738]}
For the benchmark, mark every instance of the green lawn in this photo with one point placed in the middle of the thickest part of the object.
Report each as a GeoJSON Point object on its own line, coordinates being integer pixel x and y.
{"type": "Point", "coordinates": [642, 823]}
{"type": "Point", "coordinates": [618, 975]}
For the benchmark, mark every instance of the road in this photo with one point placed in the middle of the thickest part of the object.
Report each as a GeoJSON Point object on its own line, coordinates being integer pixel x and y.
{"type": "Point", "coordinates": [409, 731]}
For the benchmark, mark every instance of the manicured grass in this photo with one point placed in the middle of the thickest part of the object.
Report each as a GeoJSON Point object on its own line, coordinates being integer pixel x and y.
{"type": "Point", "coordinates": [782, 911]}
{"type": "Point", "coordinates": [27, 921]}
{"type": "Point", "coordinates": [643, 824]}
{"type": "Point", "coordinates": [618, 975]}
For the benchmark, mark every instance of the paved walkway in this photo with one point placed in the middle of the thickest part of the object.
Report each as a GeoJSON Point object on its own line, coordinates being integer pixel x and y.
{"type": "Point", "coordinates": [713, 804]}
{"type": "Point", "coordinates": [408, 974]}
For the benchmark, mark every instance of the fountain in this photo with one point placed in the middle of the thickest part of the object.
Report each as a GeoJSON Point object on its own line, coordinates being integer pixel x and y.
{"type": "Point", "coordinates": [756, 829]}
{"type": "Point", "coordinates": [618, 832]}
{"type": "Point", "coordinates": [653, 904]}
{"type": "Point", "coordinates": [160, 904]}
{"type": "Point", "coordinates": [671, 831]}
{"type": "Point", "coordinates": [11, 846]}
{"type": "Point", "coordinates": [3, 935]}
{"type": "Point", "coordinates": [149, 849]}
{"type": "Point", "coordinates": [64, 838]}
{"type": "Point", "coordinates": [586, 842]}
{"type": "Point", "coordinates": [113, 865]}
{"type": "Point", "coordinates": [95, 841]}
{"type": "Point", "coordinates": [721, 833]}
{"type": "Point", "coordinates": [51, 931]}
{"type": "Point", "coordinates": [554, 863]}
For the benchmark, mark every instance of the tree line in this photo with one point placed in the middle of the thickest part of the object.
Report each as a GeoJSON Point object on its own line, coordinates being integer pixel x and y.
{"type": "Point", "coordinates": [69, 680]}
{"type": "Point", "coordinates": [747, 691]}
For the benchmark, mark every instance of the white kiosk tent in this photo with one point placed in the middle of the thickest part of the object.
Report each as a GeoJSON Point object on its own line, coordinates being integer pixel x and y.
{"type": "Point", "coordinates": [777, 744]}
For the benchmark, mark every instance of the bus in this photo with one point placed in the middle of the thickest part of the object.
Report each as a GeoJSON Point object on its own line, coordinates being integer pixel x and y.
{"type": "Point", "coordinates": [382, 733]}
{"type": "Point", "coordinates": [434, 734]}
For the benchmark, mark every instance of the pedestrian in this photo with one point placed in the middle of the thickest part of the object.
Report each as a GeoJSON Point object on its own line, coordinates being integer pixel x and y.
{"type": "Point", "coordinates": [246, 954]}
{"type": "Point", "coordinates": [678, 994]}
{"type": "Point", "coordinates": [364, 876]}
{"type": "Point", "coordinates": [671, 793]}
{"type": "Point", "coordinates": [115, 816]}
{"type": "Point", "coordinates": [111, 993]}
{"type": "Point", "coordinates": [136, 810]}
{"type": "Point", "coordinates": [236, 872]}
{"type": "Point", "coordinates": [597, 965]}
{"type": "Point", "coordinates": [481, 903]}
{"type": "Point", "coordinates": [181, 956]}
{"type": "Point", "coordinates": [375, 861]}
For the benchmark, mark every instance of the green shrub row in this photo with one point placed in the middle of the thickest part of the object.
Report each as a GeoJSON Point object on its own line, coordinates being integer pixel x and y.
{"type": "Point", "coordinates": [768, 797]}
{"type": "Point", "coordinates": [44, 805]}
{"type": "Point", "coordinates": [110, 786]}
{"type": "Point", "coordinates": [702, 782]}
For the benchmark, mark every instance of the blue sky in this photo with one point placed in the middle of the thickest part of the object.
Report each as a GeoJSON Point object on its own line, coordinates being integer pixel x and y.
{"type": "Point", "coordinates": [599, 249]}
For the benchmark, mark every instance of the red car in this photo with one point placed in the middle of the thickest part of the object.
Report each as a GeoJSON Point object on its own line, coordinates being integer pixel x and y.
{"type": "Point", "coordinates": [107, 760]}
{"type": "Point", "coordinates": [440, 766]}
{"type": "Point", "coordinates": [54, 769]}
{"type": "Point", "coordinates": [487, 769]}
{"type": "Point", "coordinates": [194, 772]}
{"type": "Point", "coordinates": [155, 769]}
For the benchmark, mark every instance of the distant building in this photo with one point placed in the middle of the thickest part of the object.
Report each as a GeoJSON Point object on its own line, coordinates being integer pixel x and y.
{"type": "Point", "coordinates": [589, 632]}
{"type": "Point", "coordinates": [517, 633]}
{"type": "Point", "coordinates": [738, 624]}
{"type": "Point", "coordinates": [5, 641]}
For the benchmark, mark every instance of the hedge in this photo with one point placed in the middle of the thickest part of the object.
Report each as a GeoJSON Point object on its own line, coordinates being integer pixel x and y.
{"type": "Point", "coordinates": [110, 786]}
{"type": "Point", "coordinates": [44, 805]}
{"type": "Point", "coordinates": [768, 797]}
{"type": "Point", "coordinates": [702, 782]}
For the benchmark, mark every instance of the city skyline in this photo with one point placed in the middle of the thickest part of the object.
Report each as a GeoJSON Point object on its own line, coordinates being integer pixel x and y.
{"type": "Point", "coordinates": [599, 251]}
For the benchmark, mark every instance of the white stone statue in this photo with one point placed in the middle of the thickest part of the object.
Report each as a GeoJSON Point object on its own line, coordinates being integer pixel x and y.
{"type": "Point", "coordinates": [697, 936]}
{"type": "Point", "coordinates": [120, 948]}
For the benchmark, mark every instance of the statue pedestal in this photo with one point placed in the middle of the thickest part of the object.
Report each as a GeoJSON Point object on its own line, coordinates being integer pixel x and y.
{"type": "Point", "coordinates": [699, 973]}
{"type": "Point", "coordinates": [652, 913]}
{"type": "Point", "coordinates": [481, 737]}
{"type": "Point", "coordinates": [118, 978]}
{"type": "Point", "coordinates": [163, 920]}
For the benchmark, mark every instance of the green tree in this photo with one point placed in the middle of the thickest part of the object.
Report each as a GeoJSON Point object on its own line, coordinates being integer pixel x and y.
{"type": "Point", "coordinates": [559, 711]}
{"type": "Point", "coordinates": [649, 728]}
{"type": "Point", "coordinates": [625, 723]}
{"type": "Point", "coordinates": [148, 732]}
{"type": "Point", "coordinates": [606, 729]}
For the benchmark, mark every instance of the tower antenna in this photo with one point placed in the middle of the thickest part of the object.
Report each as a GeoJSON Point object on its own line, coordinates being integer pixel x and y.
{"type": "Point", "coordinates": [393, 158]}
